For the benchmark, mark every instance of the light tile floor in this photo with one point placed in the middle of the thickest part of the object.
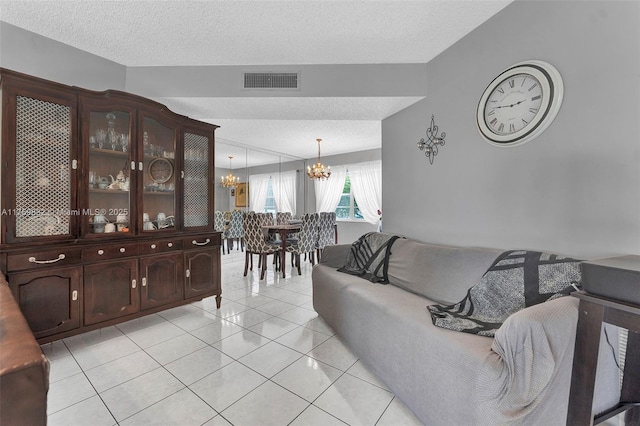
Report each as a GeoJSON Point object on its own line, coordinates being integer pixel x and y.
{"type": "Point", "coordinates": [263, 358]}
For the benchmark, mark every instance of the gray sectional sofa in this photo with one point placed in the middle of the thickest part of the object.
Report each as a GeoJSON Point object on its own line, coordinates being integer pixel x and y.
{"type": "Point", "coordinates": [522, 376]}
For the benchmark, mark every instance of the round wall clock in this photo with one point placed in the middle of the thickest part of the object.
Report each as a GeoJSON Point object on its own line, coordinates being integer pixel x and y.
{"type": "Point", "coordinates": [520, 103]}
{"type": "Point", "coordinates": [160, 170]}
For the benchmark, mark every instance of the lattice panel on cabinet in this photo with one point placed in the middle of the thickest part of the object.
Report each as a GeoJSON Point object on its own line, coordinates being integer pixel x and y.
{"type": "Point", "coordinates": [43, 181]}
{"type": "Point", "coordinates": [196, 180]}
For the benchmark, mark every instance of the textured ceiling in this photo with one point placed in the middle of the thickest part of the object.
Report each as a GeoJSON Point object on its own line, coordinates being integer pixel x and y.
{"type": "Point", "coordinates": [229, 32]}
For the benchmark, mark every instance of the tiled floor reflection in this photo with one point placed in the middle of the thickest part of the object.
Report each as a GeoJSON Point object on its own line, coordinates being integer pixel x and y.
{"type": "Point", "coordinates": [264, 358]}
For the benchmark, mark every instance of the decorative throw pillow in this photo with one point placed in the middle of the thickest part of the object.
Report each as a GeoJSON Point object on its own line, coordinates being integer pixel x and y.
{"type": "Point", "coordinates": [516, 279]}
{"type": "Point", "coordinates": [369, 257]}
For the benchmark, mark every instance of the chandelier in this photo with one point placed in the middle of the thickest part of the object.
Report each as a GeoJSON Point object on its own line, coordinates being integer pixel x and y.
{"type": "Point", "coordinates": [319, 170]}
{"type": "Point", "coordinates": [230, 179]}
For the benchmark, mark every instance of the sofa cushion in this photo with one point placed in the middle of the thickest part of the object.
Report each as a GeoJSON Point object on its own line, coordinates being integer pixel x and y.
{"type": "Point", "coordinates": [441, 273]}
{"type": "Point", "coordinates": [517, 279]}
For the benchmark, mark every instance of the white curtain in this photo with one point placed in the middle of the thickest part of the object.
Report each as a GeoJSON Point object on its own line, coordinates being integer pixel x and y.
{"type": "Point", "coordinates": [284, 191]}
{"type": "Point", "coordinates": [366, 186]}
{"type": "Point", "coordinates": [258, 186]}
{"type": "Point", "coordinates": [328, 191]}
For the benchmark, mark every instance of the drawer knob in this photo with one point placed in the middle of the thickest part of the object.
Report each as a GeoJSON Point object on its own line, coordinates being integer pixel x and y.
{"type": "Point", "coordinates": [100, 252]}
{"type": "Point", "coordinates": [195, 243]}
{"type": "Point", "coordinates": [170, 245]}
{"type": "Point", "coordinates": [122, 249]}
{"type": "Point", "coordinates": [59, 258]}
{"type": "Point", "coordinates": [153, 246]}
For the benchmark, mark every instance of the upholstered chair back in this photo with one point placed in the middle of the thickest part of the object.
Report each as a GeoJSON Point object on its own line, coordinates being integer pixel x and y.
{"type": "Point", "coordinates": [235, 229]}
{"type": "Point", "coordinates": [253, 234]}
{"type": "Point", "coordinates": [282, 218]}
{"type": "Point", "coordinates": [326, 229]}
{"type": "Point", "coordinates": [219, 222]}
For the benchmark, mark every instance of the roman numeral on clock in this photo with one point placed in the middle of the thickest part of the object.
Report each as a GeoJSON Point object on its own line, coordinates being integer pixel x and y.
{"type": "Point", "coordinates": [535, 98]}
{"type": "Point", "coordinates": [493, 122]}
{"type": "Point", "coordinates": [512, 128]}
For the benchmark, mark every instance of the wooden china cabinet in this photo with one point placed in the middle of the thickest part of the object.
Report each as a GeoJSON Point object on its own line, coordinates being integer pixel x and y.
{"type": "Point", "coordinates": [107, 206]}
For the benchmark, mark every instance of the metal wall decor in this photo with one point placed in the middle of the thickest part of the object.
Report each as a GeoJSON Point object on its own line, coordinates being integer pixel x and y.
{"type": "Point", "coordinates": [430, 144]}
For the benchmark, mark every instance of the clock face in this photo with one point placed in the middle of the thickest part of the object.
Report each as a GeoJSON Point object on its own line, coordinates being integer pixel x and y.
{"type": "Point", "coordinates": [160, 170]}
{"type": "Point", "coordinates": [513, 104]}
{"type": "Point", "coordinates": [520, 103]}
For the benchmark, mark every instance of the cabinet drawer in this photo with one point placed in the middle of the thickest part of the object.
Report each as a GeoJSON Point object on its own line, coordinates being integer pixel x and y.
{"type": "Point", "coordinates": [159, 246]}
{"type": "Point", "coordinates": [201, 241]}
{"type": "Point", "coordinates": [109, 252]}
{"type": "Point", "coordinates": [45, 258]}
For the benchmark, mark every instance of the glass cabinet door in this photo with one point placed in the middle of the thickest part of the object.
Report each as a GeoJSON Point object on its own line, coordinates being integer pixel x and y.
{"type": "Point", "coordinates": [109, 173]}
{"type": "Point", "coordinates": [159, 180]}
{"type": "Point", "coordinates": [197, 199]}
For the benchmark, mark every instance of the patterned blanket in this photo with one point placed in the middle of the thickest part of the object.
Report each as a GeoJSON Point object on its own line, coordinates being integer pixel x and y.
{"type": "Point", "coordinates": [369, 257]}
{"type": "Point", "coordinates": [516, 279]}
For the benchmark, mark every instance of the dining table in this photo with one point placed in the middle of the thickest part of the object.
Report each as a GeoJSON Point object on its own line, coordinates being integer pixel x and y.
{"type": "Point", "coordinates": [283, 230]}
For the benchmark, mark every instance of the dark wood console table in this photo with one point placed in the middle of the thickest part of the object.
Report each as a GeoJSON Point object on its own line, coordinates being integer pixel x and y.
{"type": "Point", "coordinates": [594, 310]}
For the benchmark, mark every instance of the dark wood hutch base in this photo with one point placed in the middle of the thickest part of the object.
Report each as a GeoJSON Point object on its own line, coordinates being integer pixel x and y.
{"type": "Point", "coordinates": [107, 206]}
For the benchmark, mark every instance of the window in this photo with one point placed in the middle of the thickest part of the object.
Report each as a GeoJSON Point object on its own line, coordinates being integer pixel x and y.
{"type": "Point", "coordinates": [270, 205]}
{"type": "Point", "coordinates": [348, 206]}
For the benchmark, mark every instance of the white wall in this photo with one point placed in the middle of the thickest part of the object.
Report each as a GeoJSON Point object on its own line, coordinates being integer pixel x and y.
{"type": "Point", "coordinates": [33, 54]}
{"type": "Point", "coordinates": [573, 190]}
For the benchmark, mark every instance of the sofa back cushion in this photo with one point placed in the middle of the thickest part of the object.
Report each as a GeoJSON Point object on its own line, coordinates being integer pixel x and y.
{"type": "Point", "coordinates": [441, 273]}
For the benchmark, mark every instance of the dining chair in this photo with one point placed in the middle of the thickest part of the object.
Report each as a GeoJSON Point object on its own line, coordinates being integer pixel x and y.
{"type": "Point", "coordinates": [235, 230]}
{"type": "Point", "coordinates": [283, 218]}
{"type": "Point", "coordinates": [256, 244]}
{"type": "Point", "coordinates": [219, 225]}
{"type": "Point", "coordinates": [307, 239]}
{"type": "Point", "coordinates": [326, 231]}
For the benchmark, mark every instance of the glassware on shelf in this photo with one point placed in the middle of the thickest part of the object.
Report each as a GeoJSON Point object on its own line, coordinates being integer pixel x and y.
{"type": "Point", "coordinates": [124, 142]}
{"type": "Point", "coordinates": [92, 142]}
{"type": "Point", "coordinates": [101, 137]}
{"type": "Point", "coordinates": [111, 130]}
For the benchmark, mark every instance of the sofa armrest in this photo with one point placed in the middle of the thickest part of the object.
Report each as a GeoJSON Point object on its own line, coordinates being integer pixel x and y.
{"type": "Point", "coordinates": [24, 370]}
{"type": "Point", "coordinates": [335, 255]}
{"type": "Point", "coordinates": [528, 351]}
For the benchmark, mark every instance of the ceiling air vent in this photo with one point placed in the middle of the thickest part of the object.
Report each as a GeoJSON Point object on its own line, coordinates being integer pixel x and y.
{"type": "Point", "coordinates": [271, 80]}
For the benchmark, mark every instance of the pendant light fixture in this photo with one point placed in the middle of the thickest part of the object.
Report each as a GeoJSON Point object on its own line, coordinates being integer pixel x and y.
{"type": "Point", "coordinates": [229, 180]}
{"type": "Point", "coordinates": [319, 171]}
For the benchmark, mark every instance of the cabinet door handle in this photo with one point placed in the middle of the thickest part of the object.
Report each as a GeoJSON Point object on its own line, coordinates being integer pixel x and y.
{"type": "Point", "coordinates": [74, 164]}
{"type": "Point", "coordinates": [144, 281]}
{"type": "Point", "coordinates": [122, 249]}
{"type": "Point", "coordinates": [74, 295]}
{"type": "Point", "coordinates": [170, 245]}
{"type": "Point", "coordinates": [195, 243]}
{"type": "Point", "coordinates": [100, 252]}
{"type": "Point", "coordinates": [133, 283]}
{"type": "Point", "coordinates": [59, 258]}
{"type": "Point", "coordinates": [188, 273]}
{"type": "Point", "coordinates": [153, 246]}
{"type": "Point", "coordinates": [140, 165]}
{"type": "Point", "coordinates": [133, 165]}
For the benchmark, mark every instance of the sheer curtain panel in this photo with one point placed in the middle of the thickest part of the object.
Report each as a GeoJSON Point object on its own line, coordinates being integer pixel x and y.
{"type": "Point", "coordinates": [328, 191]}
{"type": "Point", "coordinates": [366, 186]}
{"type": "Point", "coordinates": [258, 186]}
{"type": "Point", "coordinates": [284, 191]}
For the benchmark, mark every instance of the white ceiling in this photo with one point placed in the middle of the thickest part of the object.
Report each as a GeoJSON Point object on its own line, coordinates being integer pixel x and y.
{"type": "Point", "coordinates": [230, 32]}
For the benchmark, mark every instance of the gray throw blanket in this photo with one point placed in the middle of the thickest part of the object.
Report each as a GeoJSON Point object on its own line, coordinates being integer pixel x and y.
{"type": "Point", "coordinates": [516, 280]}
{"type": "Point", "coordinates": [369, 257]}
